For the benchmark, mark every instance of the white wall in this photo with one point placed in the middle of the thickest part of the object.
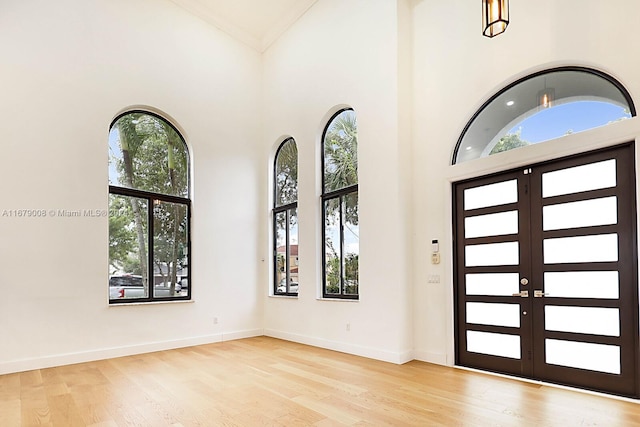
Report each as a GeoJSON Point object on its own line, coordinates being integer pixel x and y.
{"type": "Point", "coordinates": [68, 68]}
{"type": "Point", "coordinates": [414, 72]}
{"type": "Point", "coordinates": [456, 69]}
{"type": "Point", "coordinates": [343, 53]}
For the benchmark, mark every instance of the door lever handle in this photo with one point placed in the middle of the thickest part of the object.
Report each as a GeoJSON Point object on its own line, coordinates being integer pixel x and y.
{"type": "Point", "coordinates": [539, 294]}
{"type": "Point", "coordinates": [523, 294]}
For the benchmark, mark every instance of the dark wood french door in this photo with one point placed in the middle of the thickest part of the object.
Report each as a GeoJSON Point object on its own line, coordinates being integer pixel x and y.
{"type": "Point", "coordinates": [546, 272]}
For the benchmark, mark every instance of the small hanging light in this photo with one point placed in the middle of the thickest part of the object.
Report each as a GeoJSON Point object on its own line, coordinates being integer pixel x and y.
{"type": "Point", "coordinates": [546, 97]}
{"type": "Point", "coordinates": [495, 17]}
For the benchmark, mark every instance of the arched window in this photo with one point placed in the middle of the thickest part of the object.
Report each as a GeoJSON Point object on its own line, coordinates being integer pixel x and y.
{"type": "Point", "coordinates": [543, 106]}
{"type": "Point", "coordinates": [340, 232]}
{"type": "Point", "coordinates": [285, 219]}
{"type": "Point", "coordinates": [149, 210]}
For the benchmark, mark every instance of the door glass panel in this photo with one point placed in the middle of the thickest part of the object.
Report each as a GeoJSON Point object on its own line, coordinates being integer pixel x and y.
{"type": "Point", "coordinates": [582, 284]}
{"type": "Point", "coordinates": [493, 314]}
{"type": "Point", "coordinates": [496, 194]}
{"type": "Point", "coordinates": [496, 224]}
{"type": "Point", "coordinates": [592, 176]}
{"type": "Point", "coordinates": [494, 344]}
{"type": "Point", "coordinates": [585, 213]}
{"type": "Point", "coordinates": [491, 254]}
{"type": "Point", "coordinates": [582, 320]}
{"type": "Point", "coordinates": [595, 357]}
{"type": "Point", "coordinates": [495, 284]}
{"type": "Point", "coordinates": [597, 248]}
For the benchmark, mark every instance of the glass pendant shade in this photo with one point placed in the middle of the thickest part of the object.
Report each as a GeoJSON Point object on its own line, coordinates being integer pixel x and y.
{"type": "Point", "coordinates": [546, 97]}
{"type": "Point", "coordinates": [495, 17]}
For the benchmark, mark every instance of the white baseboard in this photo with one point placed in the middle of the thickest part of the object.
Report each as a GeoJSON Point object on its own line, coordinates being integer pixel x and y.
{"type": "Point", "coordinates": [429, 357]}
{"type": "Point", "coordinates": [108, 353]}
{"type": "Point", "coordinates": [369, 352]}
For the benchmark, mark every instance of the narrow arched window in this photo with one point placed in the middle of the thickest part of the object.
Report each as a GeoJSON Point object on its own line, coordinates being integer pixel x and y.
{"type": "Point", "coordinates": [543, 106]}
{"type": "Point", "coordinates": [340, 232]}
{"type": "Point", "coordinates": [285, 219]}
{"type": "Point", "coordinates": [149, 210]}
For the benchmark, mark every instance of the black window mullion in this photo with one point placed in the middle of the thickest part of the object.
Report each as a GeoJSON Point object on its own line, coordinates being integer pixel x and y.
{"type": "Point", "coordinates": [150, 269]}
{"type": "Point", "coordinates": [287, 251]}
{"type": "Point", "coordinates": [341, 192]}
{"type": "Point", "coordinates": [141, 194]}
{"type": "Point", "coordinates": [274, 248]}
{"type": "Point", "coordinates": [342, 266]}
{"type": "Point", "coordinates": [324, 245]}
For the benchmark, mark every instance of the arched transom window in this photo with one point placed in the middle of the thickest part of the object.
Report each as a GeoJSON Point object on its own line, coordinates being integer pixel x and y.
{"type": "Point", "coordinates": [543, 106]}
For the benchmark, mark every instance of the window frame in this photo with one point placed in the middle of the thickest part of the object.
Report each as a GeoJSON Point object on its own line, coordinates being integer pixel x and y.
{"type": "Point", "coordinates": [151, 198]}
{"type": "Point", "coordinates": [339, 194]}
{"type": "Point", "coordinates": [287, 210]}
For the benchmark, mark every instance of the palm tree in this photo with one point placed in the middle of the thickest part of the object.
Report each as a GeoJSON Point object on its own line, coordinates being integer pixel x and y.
{"type": "Point", "coordinates": [341, 152]}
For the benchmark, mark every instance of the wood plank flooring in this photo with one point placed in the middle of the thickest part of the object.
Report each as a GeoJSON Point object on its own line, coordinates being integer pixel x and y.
{"type": "Point", "coordinates": [268, 382]}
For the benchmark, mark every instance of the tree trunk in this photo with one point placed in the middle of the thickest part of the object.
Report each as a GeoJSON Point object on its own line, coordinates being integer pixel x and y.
{"type": "Point", "coordinates": [128, 177]}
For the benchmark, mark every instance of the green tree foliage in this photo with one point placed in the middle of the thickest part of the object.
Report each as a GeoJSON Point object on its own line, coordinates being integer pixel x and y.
{"type": "Point", "coordinates": [333, 274]}
{"type": "Point", "coordinates": [286, 181]}
{"type": "Point", "coordinates": [509, 142]}
{"type": "Point", "coordinates": [341, 152]}
{"type": "Point", "coordinates": [341, 163]}
{"type": "Point", "coordinates": [122, 236]}
{"type": "Point", "coordinates": [351, 270]}
{"type": "Point", "coordinates": [351, 273]}
{"type": "Point", "coordinates": [287, 173]}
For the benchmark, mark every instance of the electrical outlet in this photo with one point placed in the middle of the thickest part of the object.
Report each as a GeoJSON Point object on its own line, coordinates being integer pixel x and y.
{"type": "Point", "coordinates": [348, 326]}
{"type": "Point", "coordinates": [215, 320]}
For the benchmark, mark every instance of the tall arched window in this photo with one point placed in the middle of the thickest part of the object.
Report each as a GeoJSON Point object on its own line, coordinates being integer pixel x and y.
{"type": "Point", "coordinates": [340, 233]}
{"type": "Point", "coordinates": [285, 219]}
{"type": "Point", "coordinates": [149, 210]}
{"type": "Point", "coordinates": [543, 106]}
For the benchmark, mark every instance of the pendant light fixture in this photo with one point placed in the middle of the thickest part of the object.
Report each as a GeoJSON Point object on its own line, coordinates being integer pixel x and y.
{"type": "Point", "coordinates": [546, 96]}
{"type": "Point", "coordinates": [495, 17]}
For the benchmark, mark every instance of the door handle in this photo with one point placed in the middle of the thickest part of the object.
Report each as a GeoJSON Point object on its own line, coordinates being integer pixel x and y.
{"type": "Point", "coordinates": [539, 294]}
{"type": "Point", "coordinates": [523, 294]}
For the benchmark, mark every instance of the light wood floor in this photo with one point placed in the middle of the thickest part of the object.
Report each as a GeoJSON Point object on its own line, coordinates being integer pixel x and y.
{"type": "Point", "coordinates": [268, 382]}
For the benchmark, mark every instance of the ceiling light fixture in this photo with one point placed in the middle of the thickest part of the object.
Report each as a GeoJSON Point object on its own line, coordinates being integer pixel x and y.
{"type": "Point", "coordinates": [495, 17]}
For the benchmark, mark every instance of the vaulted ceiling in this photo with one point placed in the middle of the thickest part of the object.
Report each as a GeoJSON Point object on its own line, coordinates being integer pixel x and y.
{"type": "Point", "coordinates": [257, 23]}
